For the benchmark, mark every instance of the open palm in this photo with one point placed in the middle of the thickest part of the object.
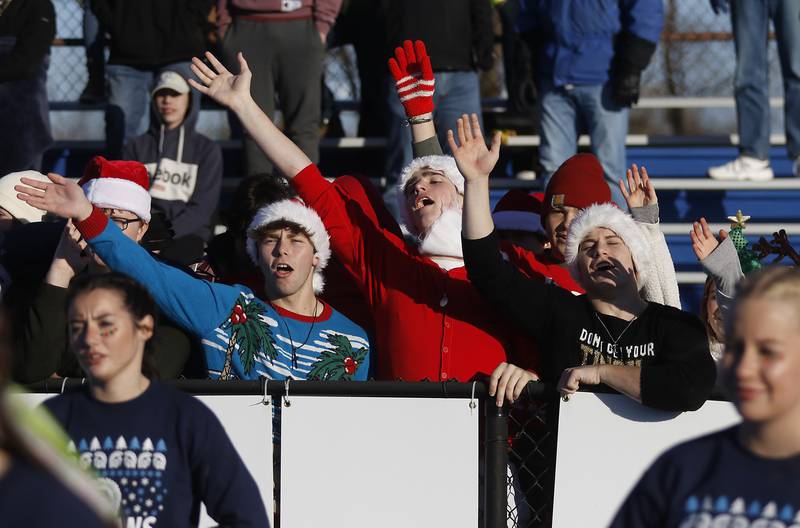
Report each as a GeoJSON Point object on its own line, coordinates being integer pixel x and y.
{"type": "Point", "coordinates": [60, 196]}
{"type": "Point", "coordinates": [221, 85]}
{"type": "Point", "coordinates": [639, 190]}
{"type": "Point", "coordinates": [474, 159]}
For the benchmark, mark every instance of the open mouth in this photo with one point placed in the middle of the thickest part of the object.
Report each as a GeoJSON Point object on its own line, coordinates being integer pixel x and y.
{"type": "Point", "coordinates": [423, 202]}
{"type": "Point", "coordinates": [283, 270]}
{"type": "Point", "coordinates": [604, 266]}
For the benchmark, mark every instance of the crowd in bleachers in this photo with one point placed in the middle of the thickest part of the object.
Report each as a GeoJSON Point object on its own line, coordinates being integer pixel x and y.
{"type": "Point", "coordinates": [115, 274]}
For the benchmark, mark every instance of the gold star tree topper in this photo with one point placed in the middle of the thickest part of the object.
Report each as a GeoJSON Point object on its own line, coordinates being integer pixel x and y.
{"type": "Point", "coordinates": [738, 220]}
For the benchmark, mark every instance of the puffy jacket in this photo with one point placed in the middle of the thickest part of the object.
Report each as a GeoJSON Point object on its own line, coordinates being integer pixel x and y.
{"type": "Point", "coordinates": [577, 40]}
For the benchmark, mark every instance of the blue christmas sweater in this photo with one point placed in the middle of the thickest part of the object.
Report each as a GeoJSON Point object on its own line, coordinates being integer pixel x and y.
{"type": "Point", "coordinates": [713, 481]}
{"type": "Point", "coordinates": [242, 336]}
{"type": "Point", "coordinates": [158, 456]}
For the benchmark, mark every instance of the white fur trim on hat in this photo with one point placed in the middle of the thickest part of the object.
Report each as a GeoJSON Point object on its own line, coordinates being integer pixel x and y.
{"type": "Point", "coordinates": [8, 196]}
{"type": "Point", "coordinates": [298, 213]}
{"type": "Point", "coordinates": [446, 164]}
{"type": "Point", "coordinates": [611, 217]}
{"type": "Point", "coordinates": [116, 193]}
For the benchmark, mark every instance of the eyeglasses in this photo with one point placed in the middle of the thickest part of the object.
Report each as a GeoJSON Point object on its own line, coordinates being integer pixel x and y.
{"type": "Point", "coordinates": [121, 222]}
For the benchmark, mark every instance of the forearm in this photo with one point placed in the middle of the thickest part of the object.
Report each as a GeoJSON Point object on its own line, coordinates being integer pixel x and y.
{"type": "Point", "coordinates": [424, 130]}
{"type": "Point", "coordinates": [477, 219]}
{"type": "Point", "coordinates": [278, 148]}
{"type": "Point", "coordinates": [724, 267]}
{"type": "Point", "coordinates": [623, 378]}
{"type": "Point", "coordinates": [60, 273]}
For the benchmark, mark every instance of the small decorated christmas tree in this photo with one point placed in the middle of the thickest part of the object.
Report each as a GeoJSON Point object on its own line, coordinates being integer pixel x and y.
{"type": "Point", "coordinates": [747, 258]}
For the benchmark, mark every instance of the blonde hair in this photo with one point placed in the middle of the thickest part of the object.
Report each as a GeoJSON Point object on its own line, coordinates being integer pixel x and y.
{"type": "Point", "coordinates": [772, 282]}
{"type": "Point", "coordinates": [777, 283]}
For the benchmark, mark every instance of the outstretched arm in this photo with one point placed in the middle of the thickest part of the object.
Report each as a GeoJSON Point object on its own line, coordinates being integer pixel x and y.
{"type": "Point", "coordinates": [233, 92]}
{"type": "Point", "coordinates": [475, 162]}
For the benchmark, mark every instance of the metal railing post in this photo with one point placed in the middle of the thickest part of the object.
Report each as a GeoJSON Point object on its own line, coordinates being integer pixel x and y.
{"type": "Point", "coordinates": [496, 460]}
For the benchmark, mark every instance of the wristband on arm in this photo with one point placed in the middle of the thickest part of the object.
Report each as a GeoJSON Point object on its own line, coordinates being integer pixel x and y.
{"type": "Point", "coordinates": [413, 78]}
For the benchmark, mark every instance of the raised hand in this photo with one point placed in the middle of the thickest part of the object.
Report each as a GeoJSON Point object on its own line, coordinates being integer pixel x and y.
{"type": "Point", "coordinates": [639, 190]}
{"type": "Point", "coordinates": [60, 196]}
{"type": "Point", "coordinates": [70, 258]}
{"type": "Point", "coordinates": [474, 159]}
{"type": "Point", "coordinates": [413, 78]}
{"type": "Point", "coordinates": [229, 90]}
{"type": "Point", "coordinates": [703, 240]}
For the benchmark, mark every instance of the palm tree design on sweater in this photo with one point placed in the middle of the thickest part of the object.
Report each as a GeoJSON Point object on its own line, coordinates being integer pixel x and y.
{"type": "Point", "coordinates": [250, 333]}
{"type": "Point", "coordinates": [340, 363]}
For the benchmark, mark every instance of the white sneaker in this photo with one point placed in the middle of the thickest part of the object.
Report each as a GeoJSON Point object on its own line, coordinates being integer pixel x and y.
{"type": "Point", "coordinates": [743, 168]}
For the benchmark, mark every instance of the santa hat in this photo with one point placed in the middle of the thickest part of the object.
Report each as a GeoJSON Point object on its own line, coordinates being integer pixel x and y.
{"type": "Point", "coordinates": [611, 217]}
{"type": "Point", "coordinates": [117, 185]}
{"type": "Point", "coordinates": [519, 211]}
{"type": "Point", "coordinates": [8, 196]}
{"type": "Point", "coordinates": [445, 164]}
{"type": "Point", "coordinates": [578, 182]}
{"type": "Point", "coordinates": [296, 212]}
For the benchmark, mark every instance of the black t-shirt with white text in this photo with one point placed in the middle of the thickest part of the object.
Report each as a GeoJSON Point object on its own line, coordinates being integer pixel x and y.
{"type": "Point", "coordinates": [670, 345]}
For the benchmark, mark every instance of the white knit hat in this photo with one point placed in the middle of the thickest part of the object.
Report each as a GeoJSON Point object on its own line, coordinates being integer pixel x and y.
{"type": "Point", "coordinates": [446, 164]}
{"type": "Point", "coordinates": [611, 217]}
{"type": "Point", "coordinates": [8, 196]}
{"type": "Point", "coordinates": [296, 212]}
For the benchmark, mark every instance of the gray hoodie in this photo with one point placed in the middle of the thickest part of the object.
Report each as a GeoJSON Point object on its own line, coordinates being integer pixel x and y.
{"type": "Point", "coordinates": [185, 170]}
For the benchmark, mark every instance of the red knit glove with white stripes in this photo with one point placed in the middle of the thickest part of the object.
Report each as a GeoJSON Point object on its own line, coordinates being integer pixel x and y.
{"type": "Point", "coordinates": [413, 77]}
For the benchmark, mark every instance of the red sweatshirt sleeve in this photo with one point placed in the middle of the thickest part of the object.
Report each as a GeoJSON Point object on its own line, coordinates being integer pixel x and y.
{"type": "Point", "coordinates": [362, 247]}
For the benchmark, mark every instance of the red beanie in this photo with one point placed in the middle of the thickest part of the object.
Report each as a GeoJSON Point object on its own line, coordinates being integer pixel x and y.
{"type": "Point", "coordinates": [117, 185]}
{"type": "Point", "coordinates": [578, 182]}
{"type": "Point", "coordinates": [518, 211]}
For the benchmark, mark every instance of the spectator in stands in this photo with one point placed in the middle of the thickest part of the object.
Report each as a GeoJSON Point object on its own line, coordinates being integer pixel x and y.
{"type": "Point", "coordinates": [155, 432]}
{"type": "Point", "coordinates": [94, 44]}
{"type": "Point", "coordinates": [292, 335]}
{"type": "Point", "coordinates": [588, 58]}
{"type": "Point", "coordinates": [185, 167]}
{"type": "Point", "coordinates": [655, 354]}
{"type": "Point", "coordinates": [226, 254]}
{"type": "Point", "coordinates": [457, 54]}
{"type": "Point", "coordinates": [750, 21]}
{"type": "Point", "coordinates": [32, 465]}
{"type": "Point", "coordinates": [147, 37]}
{"type": "Point", "coordinates": [746, 475]}
{"type": "Point", "coordinates": [120, 188]}
{"type": "Point", "coordinates": [517, 217]}
{"type": "Point", "coordinates": [456, 336]}
{"type": "Point", "coordinates": [286, 40]}
{"type": "Point", "coordinates": [26, 31]}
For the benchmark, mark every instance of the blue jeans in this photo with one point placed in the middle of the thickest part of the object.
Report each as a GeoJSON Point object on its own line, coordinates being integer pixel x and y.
{"type": "Point", "coordinates": [127, 115]}
{"type": "Point", "coordinates": [457, 93]}
{"type": "Point", "coordinates": [750, 20]}
{"type": "Point", "coordinates": [563, 110]}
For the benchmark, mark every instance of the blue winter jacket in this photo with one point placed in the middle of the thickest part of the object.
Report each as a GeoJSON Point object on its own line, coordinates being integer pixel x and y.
{"type": "Point", "coordinates": [577, 37]}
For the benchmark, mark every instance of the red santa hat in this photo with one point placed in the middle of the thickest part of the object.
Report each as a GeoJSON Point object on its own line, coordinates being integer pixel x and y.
{"type": "Point", "coordinates": [518, 210]}
{"type": "Point", "coordinates": [611, 217]}
{"type": "Point", "coordinates": [578, 182]}
{"type": "Point", "coordinates": [115, 184]}
{"type": "Point", "coordinates": [296, 212]}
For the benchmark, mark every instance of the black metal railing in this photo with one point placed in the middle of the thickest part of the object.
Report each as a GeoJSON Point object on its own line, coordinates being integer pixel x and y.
{"type": "Point", "coordinates": [517, 444]}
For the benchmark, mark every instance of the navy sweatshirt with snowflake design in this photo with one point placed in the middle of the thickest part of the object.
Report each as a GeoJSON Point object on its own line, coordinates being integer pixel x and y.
{"type": "Point", "coordinates": [243, 337]}
{"type": "Point", "coordinates": [158, 456]}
